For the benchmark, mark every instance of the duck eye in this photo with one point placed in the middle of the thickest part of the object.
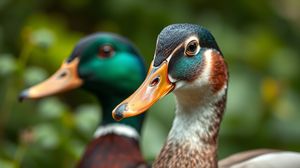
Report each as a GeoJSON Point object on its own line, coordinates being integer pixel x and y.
{"type": "Point", "coordinates": [106, 51]}
{"type": "Point", "coordinates": [192, 48]}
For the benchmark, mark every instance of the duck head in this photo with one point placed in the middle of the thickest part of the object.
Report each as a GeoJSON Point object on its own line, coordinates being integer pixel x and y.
{"type": "Point", "coordinates": [188, 61]}
{"type": "Point", "coordinates": [101, 63]}
{"type": "Point", "coordinates": [104, 64]}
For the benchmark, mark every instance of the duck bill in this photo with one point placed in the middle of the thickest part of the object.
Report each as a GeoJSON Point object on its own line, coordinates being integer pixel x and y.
{"type": "Point", "coordinates": [155, 86]}
{"type": "Point", "coordinates": [65, 78]}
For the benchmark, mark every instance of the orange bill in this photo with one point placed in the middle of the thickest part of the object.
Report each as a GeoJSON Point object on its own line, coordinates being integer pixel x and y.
{"type": "Point", "coordinates": [155, 86]}
{"type": "Point", "coordinates": [66, 78]}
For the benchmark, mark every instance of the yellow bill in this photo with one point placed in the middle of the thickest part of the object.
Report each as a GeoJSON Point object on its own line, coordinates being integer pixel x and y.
{"type": "Point", "coordinates": [155, 86]}
{"type": "Point", "coordinates": [65, 78]}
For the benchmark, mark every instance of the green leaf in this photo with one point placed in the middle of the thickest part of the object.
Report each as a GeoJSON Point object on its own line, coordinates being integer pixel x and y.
{"type": "Point", "coordinates": [87, 119]}
{"type": "Point", "coordinates": [34, 75]}
{"type": "Point", "coordinates": [46, 136]}
{"type": "Point", "coordinates": [7, 64]}
{"type": "Point", "coordinates": [51, 108]}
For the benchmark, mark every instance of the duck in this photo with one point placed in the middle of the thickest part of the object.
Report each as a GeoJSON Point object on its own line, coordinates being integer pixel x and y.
{"type": "Point", "coordinates": [110, 67]}
{"type": "Point", "coordinates": [189, 63]}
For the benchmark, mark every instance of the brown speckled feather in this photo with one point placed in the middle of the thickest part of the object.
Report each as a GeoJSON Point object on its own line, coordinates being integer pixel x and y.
{"type": "Point", "coordinates": [178, 156]}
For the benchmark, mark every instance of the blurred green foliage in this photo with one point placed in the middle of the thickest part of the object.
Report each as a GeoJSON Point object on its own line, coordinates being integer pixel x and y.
{"type": "Point", "coordinates": [260, 40]}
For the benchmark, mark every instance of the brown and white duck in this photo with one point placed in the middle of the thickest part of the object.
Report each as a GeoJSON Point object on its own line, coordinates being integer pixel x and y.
{"type": "Point", "coordinates": [189, 63]}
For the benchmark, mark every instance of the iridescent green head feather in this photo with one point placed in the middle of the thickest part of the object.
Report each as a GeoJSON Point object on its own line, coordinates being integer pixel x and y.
{"type": "Point", "coordinates": [109, 64]}
{"type": "Point", "coordinates": [105, 64]}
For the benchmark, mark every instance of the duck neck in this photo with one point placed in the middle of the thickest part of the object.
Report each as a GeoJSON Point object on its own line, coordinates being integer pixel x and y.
{"type": "Point", "coordinates": [194, 134]}
{"type": "Point", "coordinates": [113, 140]}
{"type": "Point", "coordinates": [132, 125]}
{"type": "Point", "coordinates": [108, 103]}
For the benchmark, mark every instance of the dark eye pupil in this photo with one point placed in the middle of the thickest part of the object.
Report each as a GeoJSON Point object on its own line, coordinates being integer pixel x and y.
{"type": "Point", "coordinates": [192, 47]}
{"type": "Point", "coordinates": [106, 51]}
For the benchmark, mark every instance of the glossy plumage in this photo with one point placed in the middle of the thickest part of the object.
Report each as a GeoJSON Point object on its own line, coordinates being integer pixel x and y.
{"type": "Point", "coordinates": [189, 63]}
{"type": "Point", "coordinates": [109, 67]}
{"type": "Point", "coordinates": [112, 151]}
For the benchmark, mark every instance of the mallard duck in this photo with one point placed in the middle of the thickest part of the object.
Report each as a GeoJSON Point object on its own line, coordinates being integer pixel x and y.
{"type": "Point", "coordinates": [109, 67]}
{"type": "Point", "coordinates": [188, 62]}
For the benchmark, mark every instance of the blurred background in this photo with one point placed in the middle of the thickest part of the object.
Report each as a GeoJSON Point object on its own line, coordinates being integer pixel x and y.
{"type": "Point", "coordinates": [260, 41]}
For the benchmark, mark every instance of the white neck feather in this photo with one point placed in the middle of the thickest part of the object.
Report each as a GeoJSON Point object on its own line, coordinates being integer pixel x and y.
{"type": "Point", "coordinates": [193, 123]}
{"type": "Point", "coordinates": [196, 109]}
{"type": "Point", "coordinates": [118, 129]}
{"type": "Point", "coordinates": [187, 126]}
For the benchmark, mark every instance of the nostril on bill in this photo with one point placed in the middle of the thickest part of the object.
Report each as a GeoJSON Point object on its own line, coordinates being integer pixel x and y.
{"type": "Point", "coordinates": [155, 81]}
{"type": "Point", "coordinates": [61, 75]}
{"type": "Point", "coordinates": [118, 114]}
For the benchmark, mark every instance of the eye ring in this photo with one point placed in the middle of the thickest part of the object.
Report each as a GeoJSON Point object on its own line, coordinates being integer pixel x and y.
{"type": "Point", "coordinates": [106, 51]}
{"type": "Point", "coordinates": [192, 48]}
